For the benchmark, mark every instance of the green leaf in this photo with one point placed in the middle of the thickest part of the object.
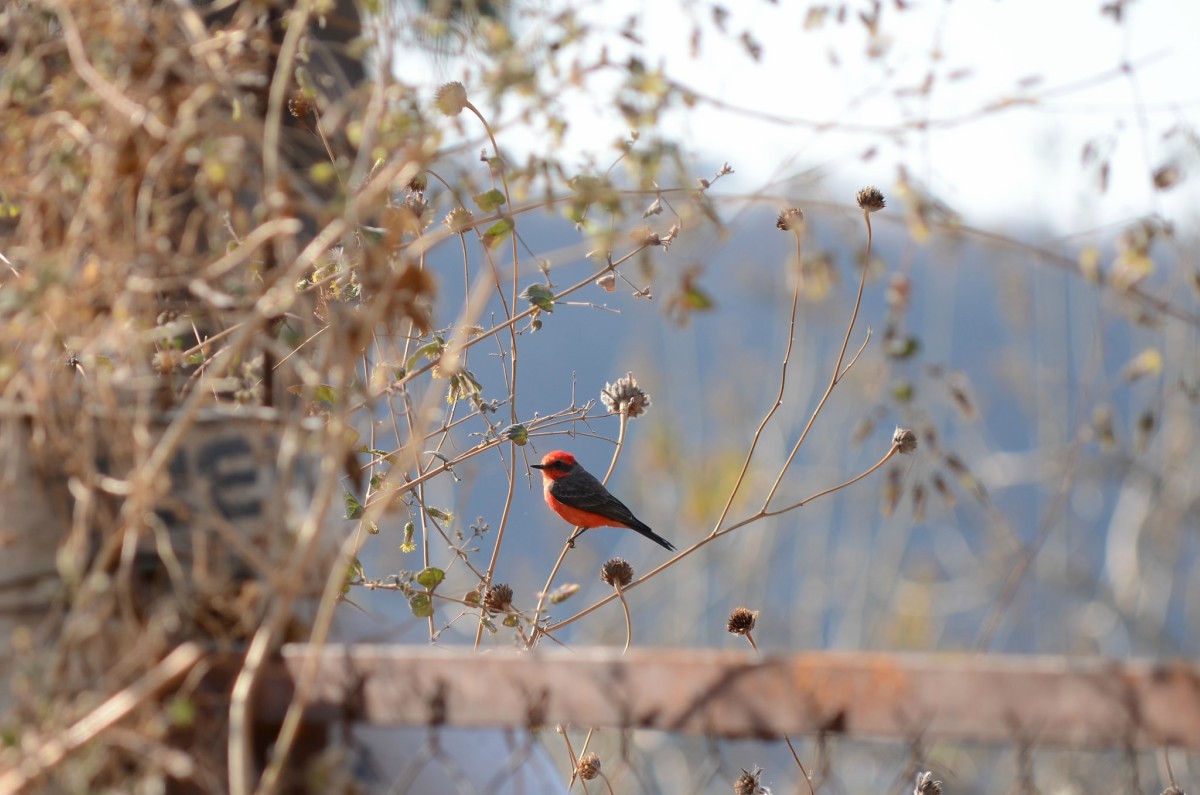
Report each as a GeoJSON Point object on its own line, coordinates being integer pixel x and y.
{"type": "Point", "coordinates": [421, 605]}
{"type": "Point", "coordinates": [540, 296]}
{"type": "Point", "coordinates": [903, 348]}
{"type": "Point", "coordinates": [354, 574]}
{"type": "Point", "coordinates": [323, 173]}
{"type": "Point", "coordinates": [698, 299]}
{"type": "Point", "coordinates": [472, 598]}
{"type": "Point", "coordinates": [430, 578]}
{"type": "Point", "coordinates": [511, 620]}
{"type": "Point", "coordinates": [489, 201]}
{"type": "Point", "coordinates": [463, 384]}
{"type": "Point", "coordinates": [438, 513]}
{"type": "Point", "coordinates": [430, 350]}
{"type": "Point", "coordinates": [354, 509]}
{"type": "Point", "coordinates": [517, 434]}
{"type": "Point", "coordinates": [182, 711]}
{"type": "Point", "coordinates": [438, 456]}
{"type": "Point", "coordinates": [317, 393]}
{"type": "Point", "coordinates": [497, 232]}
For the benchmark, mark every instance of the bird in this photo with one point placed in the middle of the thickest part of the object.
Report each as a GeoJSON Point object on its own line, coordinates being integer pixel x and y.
{"type": "Point", "coordinates": [574, 494]}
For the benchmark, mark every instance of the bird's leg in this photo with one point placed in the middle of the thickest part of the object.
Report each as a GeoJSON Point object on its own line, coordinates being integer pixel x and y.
{"type": "Point", "coordinates": [578, 532]}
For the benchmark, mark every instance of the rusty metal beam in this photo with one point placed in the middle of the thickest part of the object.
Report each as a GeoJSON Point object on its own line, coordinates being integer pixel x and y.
{"type": "Point", "coordinates": [984, 698]}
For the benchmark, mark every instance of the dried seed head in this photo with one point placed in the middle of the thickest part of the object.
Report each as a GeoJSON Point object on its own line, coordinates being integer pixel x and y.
{"type": "Point", "coordinates": [299, 105]}
{"type": "Point", "coordinates": [418, 184]}
{"type": "Point", "coordinates": [870, 199]}
{"type": "Point", "coordinates": [645, 236]}
{"type": "Point", "coordinates": [741, 620]}
{"type": "Point", "coordinates": [790, 220]}
{"type": "Point", "coordinates": [747, 783]}
{"type": "Point", "coordinates": [617, 572]}
{"type": "Point", "coordinates": [608, 281]}
{"type": "Point", "coordinates": [926, 785]}
{"type": "Point", "coordinates": [451, 98]}
{"type": "Point", "coordinates": [459, 220]}
{"type": "Point", "coordinates": [588, 767]}
{"type": "Point", "coordinates": [625, 397]}
{"type": "Point", "coordinates": [498, 598]}
{"type": "Point", "coordinates": [905, 440]}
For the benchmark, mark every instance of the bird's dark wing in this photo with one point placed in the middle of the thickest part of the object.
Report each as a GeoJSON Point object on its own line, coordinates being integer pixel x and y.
{"type": "Point", "coordinates": [583, 491]}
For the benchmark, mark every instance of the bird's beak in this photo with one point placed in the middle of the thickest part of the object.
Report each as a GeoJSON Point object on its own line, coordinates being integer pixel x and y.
{"type": "Point", "coordinates": [538, 466]}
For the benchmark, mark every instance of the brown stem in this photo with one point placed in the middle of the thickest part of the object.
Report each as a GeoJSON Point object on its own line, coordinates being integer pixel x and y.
{"type": "Point", "coordinates": [787, 355]}
{"type": "Point", "coordinates": [571, 753]}
{"type": "Point", "coordinates": [837, 371]}
{"type": "Point", "coordinates": [628, 622]}
{"type": "Point", "coordinates": [575, 763]}
{"type": "Point", "coordinates": [786, 739]}
{"type": "Point", "coordinates": [537, 613]}
{"type": "Point", "coordinates": [887, 457]}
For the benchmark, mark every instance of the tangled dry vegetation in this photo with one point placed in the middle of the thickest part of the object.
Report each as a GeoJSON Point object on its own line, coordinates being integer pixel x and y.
{"type": "Point", "coordinates": [159, 210]}
{"type": "Point", "coordinates": [214, 236]}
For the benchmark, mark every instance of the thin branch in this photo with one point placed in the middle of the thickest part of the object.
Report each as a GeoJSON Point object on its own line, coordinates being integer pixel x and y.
{"type": "Point", "coordinates": [787, 355]}
{"type": "Point", "coordinates": [134, 112]}
{"type": "Point", "coordinates": [837, 371]}
{"type": "Point", "coordinates": [628, 620]}
{"type": "Point", "coordinates": [887, 457]}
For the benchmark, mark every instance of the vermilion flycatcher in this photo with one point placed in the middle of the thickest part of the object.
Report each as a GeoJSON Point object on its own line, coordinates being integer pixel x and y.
{"type": "Point", "coordinates": [575, 495]}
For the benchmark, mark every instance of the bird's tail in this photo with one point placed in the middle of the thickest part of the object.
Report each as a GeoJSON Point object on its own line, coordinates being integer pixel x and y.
{"type": "Point", "coordinates": [650, 534]}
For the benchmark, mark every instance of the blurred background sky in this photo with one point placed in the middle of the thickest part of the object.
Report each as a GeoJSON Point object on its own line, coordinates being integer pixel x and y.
{"type": "Point", "coordinates": [1058, 68]}
{"type": "Point", "coordinates": [989, 103]}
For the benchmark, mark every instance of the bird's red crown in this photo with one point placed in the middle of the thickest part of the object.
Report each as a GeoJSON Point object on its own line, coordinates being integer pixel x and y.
{"type": "Point", "coordinates": [556, 464]}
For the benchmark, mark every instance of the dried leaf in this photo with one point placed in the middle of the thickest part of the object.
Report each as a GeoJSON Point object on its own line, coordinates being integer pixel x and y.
{"type": "Point", "coordinates": [563, 592]}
